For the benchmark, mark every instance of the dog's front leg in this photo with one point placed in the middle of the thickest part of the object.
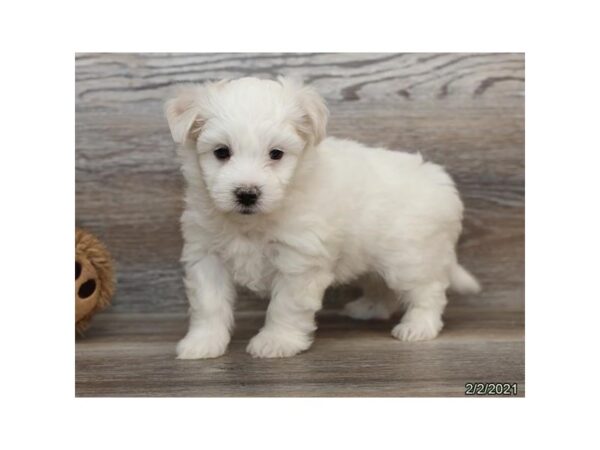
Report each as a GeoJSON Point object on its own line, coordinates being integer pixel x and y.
{"type": "Point", "coordinates": [211, 293]}
{"type": "Point", "coordinates": [290, 321]}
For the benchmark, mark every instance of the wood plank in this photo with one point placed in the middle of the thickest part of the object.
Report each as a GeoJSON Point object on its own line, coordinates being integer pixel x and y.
{"type": "Point", "coordinates": [465, 111]}
{"type": "Point", "coordinates": [134, 355]}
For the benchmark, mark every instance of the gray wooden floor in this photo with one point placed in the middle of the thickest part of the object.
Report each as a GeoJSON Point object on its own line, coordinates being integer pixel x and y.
{"type": "Point", "coordinates": [134, 355]}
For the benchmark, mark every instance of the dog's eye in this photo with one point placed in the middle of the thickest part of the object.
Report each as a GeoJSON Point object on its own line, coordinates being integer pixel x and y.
{"type": "Point", "coordinates": [222, 153]}
{"type": "Point", "coordinates": [276, 154]}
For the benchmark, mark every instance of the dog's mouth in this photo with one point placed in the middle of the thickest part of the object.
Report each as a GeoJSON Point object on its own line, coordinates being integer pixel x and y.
{"type": "Point", "coordinates": [247, 211]}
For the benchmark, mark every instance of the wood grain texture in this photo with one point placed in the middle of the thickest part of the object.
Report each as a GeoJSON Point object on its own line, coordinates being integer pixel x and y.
{"type": "Point", "coordinates": [465, 111]}
{"type": "Point", "coordinates": [134, 355]}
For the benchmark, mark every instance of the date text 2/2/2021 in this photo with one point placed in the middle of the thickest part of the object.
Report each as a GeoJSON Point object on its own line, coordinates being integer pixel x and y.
{"type": "Point", "coordinates": [503, 389]}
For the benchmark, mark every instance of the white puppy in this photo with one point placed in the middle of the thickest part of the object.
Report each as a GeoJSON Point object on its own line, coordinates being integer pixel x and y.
{"type": "Point", "coordinates": [274, 205]}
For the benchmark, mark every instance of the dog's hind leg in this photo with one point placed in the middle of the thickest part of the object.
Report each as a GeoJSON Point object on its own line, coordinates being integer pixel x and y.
{"type": "Point", "coordinates": [423, 317]}
{"type": "Point", "coordinates": [377, 302]}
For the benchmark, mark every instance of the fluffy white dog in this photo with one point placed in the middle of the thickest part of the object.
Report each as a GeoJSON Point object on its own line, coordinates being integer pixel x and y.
{"type": "Point", "coordinates": [274, 205]}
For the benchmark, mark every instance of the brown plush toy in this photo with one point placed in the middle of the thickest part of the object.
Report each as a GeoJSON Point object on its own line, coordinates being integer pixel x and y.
{"type": "Point", "coordinates": [94, 278]}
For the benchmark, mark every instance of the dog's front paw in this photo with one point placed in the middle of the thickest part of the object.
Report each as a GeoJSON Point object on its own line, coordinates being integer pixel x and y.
{"type": "Point", "coordinates": [417, 330]}
{"type": "Point", "coordinates": [200, 344]}
{"type": "Point", "coordinates": [277, 344]}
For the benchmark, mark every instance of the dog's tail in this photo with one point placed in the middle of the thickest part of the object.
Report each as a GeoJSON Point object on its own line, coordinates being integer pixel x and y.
{"type": "Point", "coordinates": [462, 281]}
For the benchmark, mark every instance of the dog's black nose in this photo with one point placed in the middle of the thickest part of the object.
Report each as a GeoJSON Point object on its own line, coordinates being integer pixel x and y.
{"type": "Point", "coordinates": [247, 196]}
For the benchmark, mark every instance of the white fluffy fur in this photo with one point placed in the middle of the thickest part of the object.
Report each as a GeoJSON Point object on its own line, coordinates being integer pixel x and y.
{"type": "Point", "coordinates": [331, 211]}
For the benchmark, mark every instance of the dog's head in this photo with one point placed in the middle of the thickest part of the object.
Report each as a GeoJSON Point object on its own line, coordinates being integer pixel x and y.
{"type": "Point", "coordinates": [249, 136]}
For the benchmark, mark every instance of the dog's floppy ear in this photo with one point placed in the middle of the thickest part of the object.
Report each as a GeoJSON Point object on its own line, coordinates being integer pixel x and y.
{"type": "Point", "coordinates": [184, 113]}
{"type": "Point", "coordinates": [313, 123]}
